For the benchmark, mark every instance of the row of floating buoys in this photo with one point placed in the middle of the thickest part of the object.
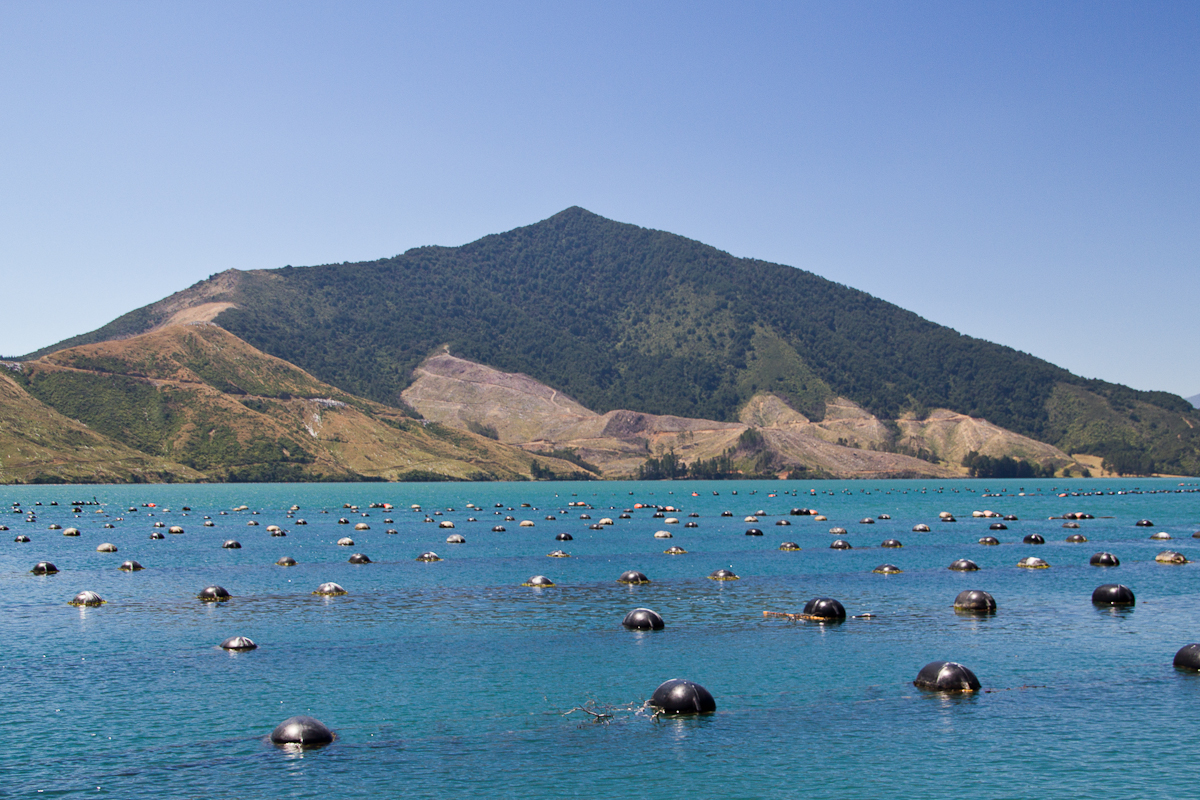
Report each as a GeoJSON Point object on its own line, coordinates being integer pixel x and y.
{"type": "Point", "coordinates": [676, 697]}
{"type": "Point", "coordinates": [1101, 559]}
{"type": "Point", "coordinates": [683, 697]}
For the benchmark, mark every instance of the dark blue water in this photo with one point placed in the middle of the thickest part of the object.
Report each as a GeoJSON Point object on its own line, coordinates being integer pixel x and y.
{"type": "Point", "coordinates": [451, 679]}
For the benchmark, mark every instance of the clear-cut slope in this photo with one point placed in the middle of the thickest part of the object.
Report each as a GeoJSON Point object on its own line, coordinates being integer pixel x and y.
{"type": "Point", "coordinates": [848, 443]}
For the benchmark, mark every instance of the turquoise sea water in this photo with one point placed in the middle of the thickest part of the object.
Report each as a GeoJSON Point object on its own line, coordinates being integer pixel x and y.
{"type": "Point", "coordinates": [450, 679]}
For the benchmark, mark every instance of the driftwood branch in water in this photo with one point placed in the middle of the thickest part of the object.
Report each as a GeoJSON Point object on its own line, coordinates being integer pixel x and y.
{"type": "Point", "coordinates": [595, 715]}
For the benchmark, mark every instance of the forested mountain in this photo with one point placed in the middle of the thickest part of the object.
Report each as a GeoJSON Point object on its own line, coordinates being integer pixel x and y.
{"type": "Point", "coordinates": [624, 317]}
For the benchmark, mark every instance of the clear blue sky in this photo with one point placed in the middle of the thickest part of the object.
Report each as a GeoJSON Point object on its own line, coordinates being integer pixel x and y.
{"type": "Point", "coordinates": [1023, 172]}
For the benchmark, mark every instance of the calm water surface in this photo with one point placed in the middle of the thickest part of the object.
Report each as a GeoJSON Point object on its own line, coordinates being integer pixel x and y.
{"type": "Point", "coordinates": [450, 679]}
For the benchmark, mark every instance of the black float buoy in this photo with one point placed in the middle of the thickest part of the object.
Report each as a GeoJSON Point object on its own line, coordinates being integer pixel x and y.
{"type": "Point", "coordinates": [1188, 657]}
{"type": "Point", "coordinates": [564, 537]}
{"type": "Point", "coordinates": [330, 589]}
{"type": "Point", "coordinates": [975, 602]}
{"type": "Point", "coordinates": [1113, 594]}
{"type": "Point", "coordinates": [44, 568]}
{"type": "Point", "coordinates": [87, 598]}
{"type": "Point", "coordinates": [964, 565]}
{"type": "Point", "coordinates": [643, 619]}
{"type": "Point", "coordinates": [677, 697]}
{"type": "Point", "coordinates": [286, 561]}
{"type": "Point", "coordinates": [1076, 538]}
{"type": "Point", "coordinates": [1034, 538]}
{"type": "Point", "coordinates": [997, 526]}
{"type": "Point", "coordinates": [429, 556]}
{"type": "Point", "coordinates": [213, 594]}
{"type": "Point", "coordinates": [676, 550]}
{"type": "Point", "coordinates": [158, 535]}
{"type": "Point", "coordinates": [232, 544]}
{"type": "Point", "coordinates": [946, 676]}
{"type": "Point", "coordinates": [887, 569]}
{"type": "Point", "coordinates": [722, 575]}
{"type": "Point", "coordinates": [753, 532]}
{"type": "Point", "coordinates": [922, 528]}
{"type": "Point", "coordinates": [1104, 560]}
{"type": "Point", "coordinates": [890, 543]}
{"type": "Point", "coordinates": [359, 558]}
{"type": "Point", "coordinates": [239, 643]}
{"type": "Point", "coordinates": [539, 580]}
{"type": "Point", "coordinates": [301, 732]}
{"type": "Point", "coordinates": [789, 546]}
{"type": "Point", "coordinates": [632, 577]}
{"type": "Point", "coordinates": [22, 538]}
{"type": "Point", "coordinates": [498, 529]}
{"type": "Point", "coordinates": [130, 566]}
{"type": "Point", "coordinates": [989, 540]}
{"type": "Point", "coordinates": [824, 608]}
{"type": "Point", "coordinates": [1144, 523]}
{"type": "Point", "coordinates": [840, 544]}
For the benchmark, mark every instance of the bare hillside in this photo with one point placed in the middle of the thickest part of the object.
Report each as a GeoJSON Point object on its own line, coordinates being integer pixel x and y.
{"type": "Point", "coordinates": [522, 411]}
